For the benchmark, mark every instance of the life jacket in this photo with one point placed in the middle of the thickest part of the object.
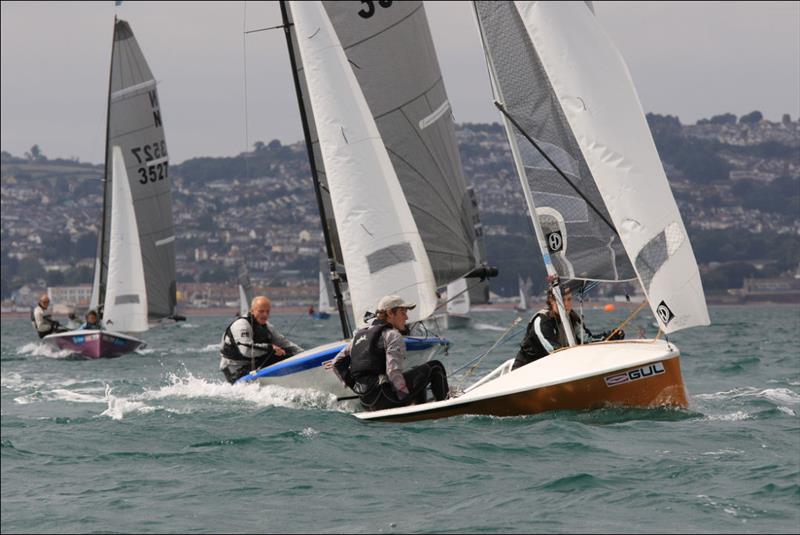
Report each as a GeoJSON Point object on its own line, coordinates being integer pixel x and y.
{"type": "Point", "coordinates": [261, 335]}
{"type": "Point", "coordinates": [368, 355]}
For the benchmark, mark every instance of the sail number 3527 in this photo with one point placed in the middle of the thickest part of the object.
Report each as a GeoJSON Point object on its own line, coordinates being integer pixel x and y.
{"type": "Point", "coordinates": [153, 158]}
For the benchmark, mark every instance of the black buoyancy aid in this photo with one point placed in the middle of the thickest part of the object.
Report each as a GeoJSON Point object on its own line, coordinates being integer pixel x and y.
{"type": "Point", "coordinates": [261, 335]}
{"type": "Point", "coordinates": [368, 355]}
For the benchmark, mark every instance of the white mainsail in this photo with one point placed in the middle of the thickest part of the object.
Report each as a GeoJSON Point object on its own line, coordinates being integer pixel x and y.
{"type": "Point", "coordinates": [599, 100]}
{"type": "Point", "coordinates": [125, 306]}
{"type": "Point", "coordinates": [382, 249]}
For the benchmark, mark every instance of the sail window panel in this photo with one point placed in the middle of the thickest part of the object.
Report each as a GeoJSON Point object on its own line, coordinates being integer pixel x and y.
{"type": "Point", "coordinates": [390, 256]}
{"type": "Point", "coordinates": [126, 299]}
{"type": "Point", "coordinates": [594, 250]}
{"type": "Point", "coordinates": [650, 259]}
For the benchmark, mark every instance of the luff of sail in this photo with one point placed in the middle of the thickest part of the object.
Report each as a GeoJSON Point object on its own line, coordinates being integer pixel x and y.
{"type": "Point", "coordinates": [135, 125]}
{"type": "Point", "coordinates": [125, 307]}
{"type": "Point", "coordinates": [382, 249]}
{"type": "Point", "coordinates": [391, 52]}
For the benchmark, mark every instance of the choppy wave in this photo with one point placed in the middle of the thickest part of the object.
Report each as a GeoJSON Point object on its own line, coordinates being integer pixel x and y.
{"type": "Point", "coordinates": [775, 395]}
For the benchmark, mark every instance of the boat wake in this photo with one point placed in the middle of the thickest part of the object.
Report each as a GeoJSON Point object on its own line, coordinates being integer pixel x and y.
{"type": "Point", "coordinates": [38, 349]}
{"type": "Point", "coordinates": [190, 388]}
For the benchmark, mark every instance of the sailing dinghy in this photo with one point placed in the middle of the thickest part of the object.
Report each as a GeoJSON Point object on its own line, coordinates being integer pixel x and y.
{"type": "Point", "coordinates": [379, 242]}
{"type": "Point", "coordinates": [126, 298]}
{"type": "Point", "coordinates": [134, 279]}
{"type": "Point", "coordinates": [601, 207]}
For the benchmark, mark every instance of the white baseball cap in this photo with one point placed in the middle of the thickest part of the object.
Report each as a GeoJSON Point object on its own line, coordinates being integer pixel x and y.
{"type": "Point", "coordinates": [389, 302]}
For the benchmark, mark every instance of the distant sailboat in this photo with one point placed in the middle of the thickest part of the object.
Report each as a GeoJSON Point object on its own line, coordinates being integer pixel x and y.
{"type": "Point", "coordinates": [522, 305]}
{"type": "Point", "coordinates": [134, 280]}
{"type": "Point", "coordinates": [135, 124]}
{"type": "Point", "coordinates": [245, 291]}
{"type": "Point", "coordinates": [325, 309]}
{"type": "Point", "coordinates": [126, 298]}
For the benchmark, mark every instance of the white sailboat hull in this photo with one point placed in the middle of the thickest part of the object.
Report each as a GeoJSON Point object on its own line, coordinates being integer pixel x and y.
{"type": "Point", "coordinates": [307, 369]}
{"type": "Point", "coordinates": [631, 373]}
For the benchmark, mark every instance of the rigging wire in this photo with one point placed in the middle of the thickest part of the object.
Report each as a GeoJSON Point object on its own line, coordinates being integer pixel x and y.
{"type": "Point", "coordinates": [475, 361]}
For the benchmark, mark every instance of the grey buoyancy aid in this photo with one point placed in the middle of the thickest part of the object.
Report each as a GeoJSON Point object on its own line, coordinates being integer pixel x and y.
{"type": "Point", "coordinates": [261, 335]}
{"type": "Point", "coordinates": [368, 355]}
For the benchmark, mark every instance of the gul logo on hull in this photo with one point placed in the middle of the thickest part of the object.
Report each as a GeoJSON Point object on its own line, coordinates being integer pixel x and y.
{"type": "Point", "coordinates": [634, 375]}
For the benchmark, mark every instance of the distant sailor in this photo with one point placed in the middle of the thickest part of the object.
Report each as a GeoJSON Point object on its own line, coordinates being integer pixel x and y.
{"type": "Point", "coordinates": [41, 319]}
{"type": "Point", "coordinates": [372, 363]}
{"type": "Point", "coordinates": [546, 333]}
{"type": "Point", "coordinates": [251, 343]}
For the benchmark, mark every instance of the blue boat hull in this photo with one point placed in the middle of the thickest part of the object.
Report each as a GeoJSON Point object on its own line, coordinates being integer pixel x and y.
{"type": "Point", "coordinates": [305, 370]}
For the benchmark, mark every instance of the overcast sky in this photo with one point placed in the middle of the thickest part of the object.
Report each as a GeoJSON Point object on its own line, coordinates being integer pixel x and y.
{"type": "Point", "coordinates": [690, 59]}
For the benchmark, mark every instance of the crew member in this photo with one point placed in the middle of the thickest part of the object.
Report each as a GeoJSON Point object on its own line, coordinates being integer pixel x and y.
{"type": "Point", "coordinates": [42, 322]}
{"type": "Point", "coordinates": [545, 331]}
{"type": "Point", "coordinates": [251, 343]}
{"type": "Point", "coordinates": [372, 363]}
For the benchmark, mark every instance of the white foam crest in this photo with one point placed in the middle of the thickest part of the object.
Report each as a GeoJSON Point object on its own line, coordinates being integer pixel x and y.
{"type": "Point", "coordinates": [73, 396]}
{"type": "Point", "coordinates": [733, 417]}
{"type": "Point", "coordinates": [38, 349]}
{"type": "Point", "coordinates": [309, 432]}
{"type": "Point", "coordinates": [776, 395]}
{"type": "Point", "coordinates": [724, 451]}
{"type": "Point", "coordinates": [787, 410]}
{"type": "Point", "coordinates": [210, 348]}
{"type": "Point", "coordinates": [191, 387]}
{"type": "Point", "coordinates": [118, 407]}
{"type": "Point", "coordinates": [188, 326]}
{"type": "Point", "coordinates": [11, 380]}
{"type": "Point", "coordinates": [487, 327]}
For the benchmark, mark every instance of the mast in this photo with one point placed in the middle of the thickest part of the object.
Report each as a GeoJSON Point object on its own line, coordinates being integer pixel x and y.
{"type": "Point", "coordinates": [346, 331]}
{"type": "Point", "coordinates": [101, 264]}
{"type": "Point", "coordinates": [520, 167]}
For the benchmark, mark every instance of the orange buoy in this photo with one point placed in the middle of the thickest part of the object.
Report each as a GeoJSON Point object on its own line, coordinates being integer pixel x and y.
{"type": "Point", "coordinates": [609, 307]}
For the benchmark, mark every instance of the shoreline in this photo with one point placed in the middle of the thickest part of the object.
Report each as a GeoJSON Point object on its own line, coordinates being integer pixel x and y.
{"type": "Point", "coordinates": [296, 309]}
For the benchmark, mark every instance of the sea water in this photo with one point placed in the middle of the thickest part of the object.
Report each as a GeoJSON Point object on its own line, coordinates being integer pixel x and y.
{"type": "Point", "coordinates": [157, 442]}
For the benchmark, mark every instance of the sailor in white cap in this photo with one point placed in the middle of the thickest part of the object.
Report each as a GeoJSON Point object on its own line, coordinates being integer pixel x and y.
{"type": "Point", "coordinates": [372, 363]}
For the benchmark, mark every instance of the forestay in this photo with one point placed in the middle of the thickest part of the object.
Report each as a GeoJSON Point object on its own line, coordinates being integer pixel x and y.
{"type": "Point", "coordinates": [135, 125]}
{"type": "Point", "coordinates": [595, 96]}
{"type": "Point", "coordinates": [125, 307]}
{"type": "Point", "coordinates": [382, 249]}
{"type": "Point", "coordinates": [391, 52]}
